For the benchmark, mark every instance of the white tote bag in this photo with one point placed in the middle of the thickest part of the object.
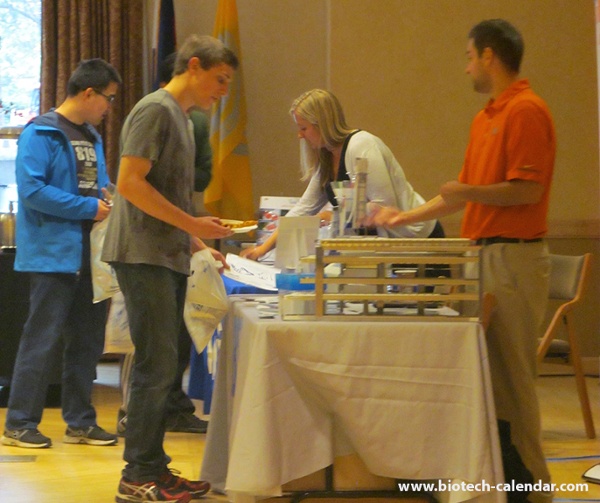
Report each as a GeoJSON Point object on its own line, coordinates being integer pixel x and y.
{"type": "Point", "coordinates": [117, 337]}
{"type": "Point", "coordinates": [104, 279]}
{"type": "Point", "coordinates": [206, 299]}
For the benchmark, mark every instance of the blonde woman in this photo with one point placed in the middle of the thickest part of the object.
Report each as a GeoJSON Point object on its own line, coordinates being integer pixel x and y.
{"type": "Point", "coordinates": [329, 149]}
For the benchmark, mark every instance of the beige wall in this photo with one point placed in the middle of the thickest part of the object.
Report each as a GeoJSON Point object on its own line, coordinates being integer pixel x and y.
{"type": "Point", "coordinates": [431, 102]}
{"type": "Point", "coordinates": [284, 50]}
{"type": "Point", "coordinates": [398, 68]}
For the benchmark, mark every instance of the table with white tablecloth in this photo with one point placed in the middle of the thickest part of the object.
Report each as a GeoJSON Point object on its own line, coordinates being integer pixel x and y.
{"type": "Point", "coordinates": [412, 399]}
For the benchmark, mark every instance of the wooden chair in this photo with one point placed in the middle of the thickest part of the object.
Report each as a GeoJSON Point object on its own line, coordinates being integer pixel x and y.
{"type": "Point", "coordinates": [568, 278]}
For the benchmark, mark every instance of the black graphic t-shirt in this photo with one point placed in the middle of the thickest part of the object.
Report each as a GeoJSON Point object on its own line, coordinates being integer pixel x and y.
{"type": "Point", "coordinates": [82, 141]}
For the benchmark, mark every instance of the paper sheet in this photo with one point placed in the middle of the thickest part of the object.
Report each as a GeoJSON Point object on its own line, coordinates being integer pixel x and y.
{"type": "Point", "coordinates": [251, 272]}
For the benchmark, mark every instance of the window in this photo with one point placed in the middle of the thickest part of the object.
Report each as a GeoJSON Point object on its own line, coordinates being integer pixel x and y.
{"type": "Point", "coordinates": [20, 60]}
{"type": "Point", "coordinates": [20, 64]}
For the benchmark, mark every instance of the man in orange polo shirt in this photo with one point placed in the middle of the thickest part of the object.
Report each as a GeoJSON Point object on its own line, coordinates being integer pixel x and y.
{"type": "Point", "coordinates": [504, 188]}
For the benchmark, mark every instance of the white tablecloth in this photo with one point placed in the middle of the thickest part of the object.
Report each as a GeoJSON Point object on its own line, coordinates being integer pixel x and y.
{"type": "Point", "coordinates": [413, 399]}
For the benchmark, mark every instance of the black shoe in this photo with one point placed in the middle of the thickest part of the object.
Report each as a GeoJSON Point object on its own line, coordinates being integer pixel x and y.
{"type": "Point", "coordinates": [93, 435]}
{"type": "Point", "coordinates": [512, 463]}
{"type": "Point", "coordinates": [29, 438]}
{"type": "Point", "coordinates": [186, 423]}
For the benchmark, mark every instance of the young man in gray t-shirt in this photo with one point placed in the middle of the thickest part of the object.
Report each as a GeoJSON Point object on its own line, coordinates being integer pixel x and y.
{"type": "Point", "coordinates": [148, 242]}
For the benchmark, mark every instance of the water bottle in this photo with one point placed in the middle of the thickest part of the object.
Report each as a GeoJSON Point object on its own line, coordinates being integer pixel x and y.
{"type": "Point", "coordinates": [360, 194]}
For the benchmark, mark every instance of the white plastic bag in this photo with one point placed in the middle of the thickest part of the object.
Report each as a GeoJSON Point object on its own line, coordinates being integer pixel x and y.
{"type": "Point", "coordinates": [206, 299]}
{"type": "Point", "coordinates": [104, 279]}
{"type": "Point", "coordinates": [117, 337]}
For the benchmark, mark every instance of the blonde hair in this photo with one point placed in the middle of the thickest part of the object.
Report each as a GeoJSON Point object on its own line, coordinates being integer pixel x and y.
{"type": "Point", "coordinates": [324, 111]}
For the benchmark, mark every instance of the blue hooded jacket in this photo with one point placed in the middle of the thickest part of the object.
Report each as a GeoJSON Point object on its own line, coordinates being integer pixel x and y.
{"type": "Point", "coordinates": [48, 228]}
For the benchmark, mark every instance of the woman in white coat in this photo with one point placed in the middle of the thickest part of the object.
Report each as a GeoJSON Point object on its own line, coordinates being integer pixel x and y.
{"type": "Point", "coordinates": [329, 152]}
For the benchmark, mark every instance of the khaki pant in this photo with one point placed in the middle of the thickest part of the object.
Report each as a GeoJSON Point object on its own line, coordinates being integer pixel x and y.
{"type": "Point", "coordinates": [518, 275]}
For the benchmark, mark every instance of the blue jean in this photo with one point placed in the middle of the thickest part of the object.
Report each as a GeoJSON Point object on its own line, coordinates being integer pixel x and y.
{"type": "Point", "coordinates": [63, 317]}
{"type": "Point", "coordinates": [178, 402]}
{"type": "Point", "coordinates": [154, 298]}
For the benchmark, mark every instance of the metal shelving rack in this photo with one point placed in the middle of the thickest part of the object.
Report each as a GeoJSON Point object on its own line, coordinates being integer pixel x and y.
{"type": "Point", "coordinates": [446, 274]}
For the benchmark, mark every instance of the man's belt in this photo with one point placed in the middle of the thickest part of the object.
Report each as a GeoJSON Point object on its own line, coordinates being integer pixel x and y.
{"type": "Point", "coordinates": [499, 239]}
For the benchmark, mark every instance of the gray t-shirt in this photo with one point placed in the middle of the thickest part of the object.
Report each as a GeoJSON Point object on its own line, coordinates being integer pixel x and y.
{"type": "Point", "coordinates": [156, 129]}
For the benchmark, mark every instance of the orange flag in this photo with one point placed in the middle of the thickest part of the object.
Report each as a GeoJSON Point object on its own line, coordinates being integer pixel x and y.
{"type": "Point", "coordinates": [229, 194]}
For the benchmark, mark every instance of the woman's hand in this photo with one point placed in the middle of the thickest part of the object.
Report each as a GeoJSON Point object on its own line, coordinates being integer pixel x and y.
{"type": "Point", "coordinates": [252, 253]}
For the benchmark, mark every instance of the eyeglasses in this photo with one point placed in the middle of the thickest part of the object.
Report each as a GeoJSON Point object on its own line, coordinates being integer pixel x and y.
{"type": "Point", "coordinates": [109, 97]}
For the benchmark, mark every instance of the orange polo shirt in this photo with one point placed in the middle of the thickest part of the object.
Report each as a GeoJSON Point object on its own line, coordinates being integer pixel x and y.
{"type": "Point", "coordinates": [512, 138]}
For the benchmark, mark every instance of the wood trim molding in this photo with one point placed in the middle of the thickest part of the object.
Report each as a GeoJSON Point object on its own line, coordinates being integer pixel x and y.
{"type": "Point", "coordinates": [563, 229]}
{"type": "Point", "coordinates": [589, 363]}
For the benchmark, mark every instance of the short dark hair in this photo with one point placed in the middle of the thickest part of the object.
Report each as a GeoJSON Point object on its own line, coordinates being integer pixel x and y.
{"type": "Point", "coordinates": [165, 68]}
{"type": "Point", "coordinates": [95, 73]}
{"type": "Point", "coordinates": [503, 38]}
{"type": "Point", "coordinates": [209, 50]}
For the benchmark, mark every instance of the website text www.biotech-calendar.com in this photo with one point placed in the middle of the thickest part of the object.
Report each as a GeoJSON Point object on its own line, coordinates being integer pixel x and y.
{"type": "Point", "coordinates": [483, 486]}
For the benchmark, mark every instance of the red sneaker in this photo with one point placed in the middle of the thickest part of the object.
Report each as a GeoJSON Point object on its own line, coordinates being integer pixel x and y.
{"type": "Point", "coordinates": [144, 492]}
{"type": "Point", "coordinates": [171, 481]}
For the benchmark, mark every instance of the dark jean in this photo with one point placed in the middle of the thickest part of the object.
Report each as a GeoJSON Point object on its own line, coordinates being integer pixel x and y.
{"type": "Point", "coordinates": [61, 317]}
{"type": "Point", "coordinates": [154, 298]}
{"type": "Point", "coordinates": [179, 402]}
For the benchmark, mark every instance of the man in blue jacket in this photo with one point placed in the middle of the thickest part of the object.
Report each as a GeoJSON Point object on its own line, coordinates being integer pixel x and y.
{"type": "Point", "coordinates": [61, 177]}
